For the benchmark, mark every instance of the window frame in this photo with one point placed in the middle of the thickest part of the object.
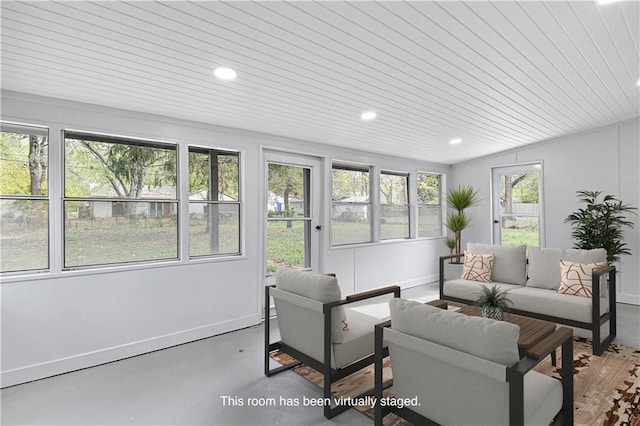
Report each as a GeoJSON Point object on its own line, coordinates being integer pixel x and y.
{"type": "Point", "coordinates": [208, 151]}
{"type": "Point", "coordinates": [31, 129]}
{"type": "Point", "coordinates": [127, 141]}
{"type": "Point", "coordinates": [369, 204]}
{"type": "Point", "coordinates": [440, 205]}
{"type": "Point", "coordinates": [406, 205]}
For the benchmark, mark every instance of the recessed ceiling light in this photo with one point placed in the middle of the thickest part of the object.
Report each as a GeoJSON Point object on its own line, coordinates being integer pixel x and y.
{"type": "Point", "coordinates": [224, 73]}
{"type": "Point", "coordinates": [368, 115]}
{"type": "Point", "coordinates": [638, 83]}
{"type": "Point", "coordinates": [606, 1]}
{"type": "Point", "coordinates": [455, 141]}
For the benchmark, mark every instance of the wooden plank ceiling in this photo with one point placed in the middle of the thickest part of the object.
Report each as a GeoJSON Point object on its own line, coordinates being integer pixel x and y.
{"type": "Point", "coordinates": [498, 75]}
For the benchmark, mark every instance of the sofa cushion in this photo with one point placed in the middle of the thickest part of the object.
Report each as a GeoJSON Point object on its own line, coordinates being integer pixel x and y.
{"type": "Point", "coordinates": [544, 267]}
{"type": "Point", "coordinates": [510, 262]}
{"type": "Point", "coordinates": [495, 341]}
{"type": "Point", "coordinates": [477, 267]}
{"type": "Point", "coordinates": [544, 264]}
{"type": "Point", "coordinates": [576, 278]}
{"type": "Point", "coordinates": [322, 288]}
{"type": "Point", "coordinates": [548, 302]}
{"type": "Point", "coordinates": [470, 290]}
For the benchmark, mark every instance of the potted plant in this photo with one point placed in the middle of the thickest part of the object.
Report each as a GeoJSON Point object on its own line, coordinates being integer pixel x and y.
{"type": "Point", "coordinates": [493, 302]}
{"type": "Point", "coordinates": [601, 224]}
{"type": "Point", "coordinates": [451, 245]}
{"type": "Point", "coordinates": [459, 198]}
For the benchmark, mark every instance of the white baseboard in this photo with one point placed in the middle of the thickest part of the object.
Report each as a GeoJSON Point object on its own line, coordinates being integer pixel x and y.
{"type": "Point", "coordinates": [631, 299]}
{"type": "Point", "coordinates": [91, 359]}
{"type": "Point", "coordinates": [429, 279]}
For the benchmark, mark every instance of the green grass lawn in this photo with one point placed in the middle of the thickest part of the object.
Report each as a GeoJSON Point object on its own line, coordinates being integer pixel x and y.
{"type": "Point", "coordinates": [522, 231]}
{"type": "Point", "coordinates": [121, 240]}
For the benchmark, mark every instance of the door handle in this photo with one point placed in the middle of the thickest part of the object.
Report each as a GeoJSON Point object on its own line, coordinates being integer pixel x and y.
{"type": "Point", "coordinates": [496, 221]}
{"type": "Point", "coordinates": [318, 227]}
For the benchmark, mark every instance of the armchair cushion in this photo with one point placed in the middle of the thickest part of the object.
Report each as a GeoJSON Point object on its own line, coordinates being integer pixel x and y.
{"type": "Point", "coordinates": [322, 288]}
{"type": "Point", "coordinates": [433, 373]}
{"type": "Point", "coordinates": [358, 341]}
{"type": "Point", "coordinates": [492, 340]}
{"type": "Point", "coordinates": [510, 262]}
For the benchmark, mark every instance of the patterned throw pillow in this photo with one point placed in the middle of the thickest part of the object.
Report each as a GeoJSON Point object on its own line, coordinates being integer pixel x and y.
{"type": "Point", "coordinates": [575, 278]}
{"type": "Point", "coordinates": [477, 267]}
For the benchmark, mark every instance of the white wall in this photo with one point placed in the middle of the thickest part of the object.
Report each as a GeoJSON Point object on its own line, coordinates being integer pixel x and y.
{"type": "Point", "coordinates": [66, 320]}
{"type": "Point", "coordinates": [605, 160]}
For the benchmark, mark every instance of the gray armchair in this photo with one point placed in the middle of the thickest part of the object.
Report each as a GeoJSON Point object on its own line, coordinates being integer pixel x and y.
{"type": "Point", "coordinates": [454, 369]}
{"type": "Point", "coordinates": [317, 330]}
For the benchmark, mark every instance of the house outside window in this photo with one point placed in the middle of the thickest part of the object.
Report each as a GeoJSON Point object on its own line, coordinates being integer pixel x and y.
{"type": "Point", "coordinates": [429, 205]}
{"type": "Point", "coordinates": [24, 198]}
{"type": "Point", "coordinates": [350, 205]}
{"type": "Point", "coordinates": [214, 202]}
{"type": "Point", "coordinates": [120, 200]}
{"type": "Point", "coordinates": [394, 205]}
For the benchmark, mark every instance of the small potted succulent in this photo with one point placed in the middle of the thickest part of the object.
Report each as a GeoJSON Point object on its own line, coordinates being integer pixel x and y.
{"type": "Point", "coordinates": [493, 302]}
{"type": "Point", "coordinates": [451, 245]}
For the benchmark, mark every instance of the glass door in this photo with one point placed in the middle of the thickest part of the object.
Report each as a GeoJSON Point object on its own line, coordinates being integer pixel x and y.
{"type": "Point", "coordinates": [292, 211]}
{"type": "Point", "coordinates": [517, 205]}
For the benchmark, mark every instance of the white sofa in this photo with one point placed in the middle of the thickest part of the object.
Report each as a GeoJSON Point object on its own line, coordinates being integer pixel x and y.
{"type": "Point", "coordinates": [532, 280]}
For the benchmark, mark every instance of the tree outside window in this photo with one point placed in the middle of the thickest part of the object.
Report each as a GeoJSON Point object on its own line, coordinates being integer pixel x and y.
{"type": "Point", "coordinates": [214, 202]}
{"type": "Point", "coordinates": [120, 200]}
{"type": "Point", "coordinates": [24, 203]}
{"type": "Point", "coordinates": [429, 205]}
{"type": "Point", "coordinates": [350, 206]}
{"type": "Point", "coordinates": [394, 206]}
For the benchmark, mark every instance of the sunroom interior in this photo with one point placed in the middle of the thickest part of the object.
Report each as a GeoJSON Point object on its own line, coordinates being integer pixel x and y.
{"type": "Point", "coordinates": [279, 166]}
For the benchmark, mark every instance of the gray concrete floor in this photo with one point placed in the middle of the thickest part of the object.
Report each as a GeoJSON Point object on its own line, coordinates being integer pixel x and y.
{"type": "Point", "coordinates": [185, 385]}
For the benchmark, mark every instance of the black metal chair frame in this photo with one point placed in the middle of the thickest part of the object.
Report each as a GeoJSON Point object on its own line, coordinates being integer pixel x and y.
{"type": "Point", "coordinates": [515, 377]}
{"type": "Point", "coordinates": [597, 320]}
{"type": "Point", "coordinates": [330, 374]}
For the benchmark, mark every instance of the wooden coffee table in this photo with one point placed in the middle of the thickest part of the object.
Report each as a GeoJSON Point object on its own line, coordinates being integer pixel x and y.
{"type": "Point", "coordinates": [532, 330]}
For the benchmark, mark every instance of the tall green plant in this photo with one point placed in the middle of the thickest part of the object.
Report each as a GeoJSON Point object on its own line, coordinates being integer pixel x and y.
{"type": "Point", "coordinates": [460, 198]}
{"type": "Point", "coordinates": [601, 224]}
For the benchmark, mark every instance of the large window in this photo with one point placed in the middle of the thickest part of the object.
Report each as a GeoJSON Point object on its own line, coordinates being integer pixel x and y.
{"type": "Point", "coordinates": [24, 201]}
{"type": "Point", "coordinates": [351, 205]}
{"type": "Point", "coordinates": [120, 200]}
{"type": "Point", "coordinates": [429, 205]}
{"type": "Point", "coordinates": [394, 206]}
{"type": "Point", "coordinates": [214, 202]}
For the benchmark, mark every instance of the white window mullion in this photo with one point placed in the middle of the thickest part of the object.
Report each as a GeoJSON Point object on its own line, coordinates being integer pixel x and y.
{"type": "Point", "coordinates": [183, 202]}
{"type": "Point", "coordinates": [56, 193]}
{"type": "Point", "coordinates": [374, 190]}
{"type": "Point", "coordinates": [413, 206]}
